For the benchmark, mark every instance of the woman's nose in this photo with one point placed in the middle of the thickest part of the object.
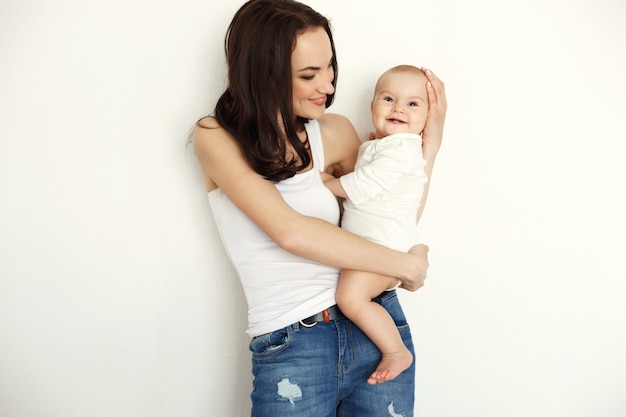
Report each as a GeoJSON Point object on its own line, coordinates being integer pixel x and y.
{"type": "Point", "coordinates": [327, 87]}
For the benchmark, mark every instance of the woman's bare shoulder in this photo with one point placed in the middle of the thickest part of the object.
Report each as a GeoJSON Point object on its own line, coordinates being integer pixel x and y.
{"type": "Point", "coordinates": [206, 128]}
{"type": "Point", "coordinates": [334, 122]}
{"type": "Point", "coordinates": [208, 122]}
{"type": "Point", "coordinates": [341, 143]}
{"type": "Point", "coordinates": [336, 127]}
{"type": "Point", "coordinates": [216, 150]}
{"type": "Point", "coordinates": [208, 133]}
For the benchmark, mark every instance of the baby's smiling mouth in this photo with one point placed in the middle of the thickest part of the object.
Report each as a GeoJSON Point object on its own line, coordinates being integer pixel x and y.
{"type": "Point", "coordinates": [397, 121]}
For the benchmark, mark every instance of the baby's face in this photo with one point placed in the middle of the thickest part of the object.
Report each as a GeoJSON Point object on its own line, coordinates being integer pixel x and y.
{"type": "Point", "coordinates": [400, 104]}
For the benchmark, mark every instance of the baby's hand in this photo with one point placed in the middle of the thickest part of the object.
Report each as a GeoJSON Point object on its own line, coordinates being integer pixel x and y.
{"type": "Point", "coordinates": [326, 176]}
{"type": "Point", "coordinates": [333, 184]}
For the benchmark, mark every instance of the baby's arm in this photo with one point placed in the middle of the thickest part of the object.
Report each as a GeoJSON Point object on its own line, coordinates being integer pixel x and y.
{"type": "Point", "coordinates": [334, 185]}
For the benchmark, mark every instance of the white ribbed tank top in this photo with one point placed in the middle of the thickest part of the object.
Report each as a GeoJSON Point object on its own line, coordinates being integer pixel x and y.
{"type": "Point", "coordinates": [280, 288]}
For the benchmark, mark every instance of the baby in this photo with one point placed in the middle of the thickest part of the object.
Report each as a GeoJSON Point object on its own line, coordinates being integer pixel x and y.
{"type": "Point", "coordinates": [383, 201]}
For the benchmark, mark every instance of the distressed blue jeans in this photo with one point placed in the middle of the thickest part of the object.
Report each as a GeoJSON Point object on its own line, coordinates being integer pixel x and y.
{"type": "Point", "coordinates": [322, 371]}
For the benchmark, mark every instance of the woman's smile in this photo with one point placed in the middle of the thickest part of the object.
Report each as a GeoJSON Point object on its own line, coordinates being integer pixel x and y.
{"type": "Point", "coordinates": [318, 101]}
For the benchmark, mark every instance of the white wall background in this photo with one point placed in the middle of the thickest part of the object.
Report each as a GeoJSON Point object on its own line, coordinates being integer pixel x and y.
{"type": "Point", "coordinates": [115, 295]}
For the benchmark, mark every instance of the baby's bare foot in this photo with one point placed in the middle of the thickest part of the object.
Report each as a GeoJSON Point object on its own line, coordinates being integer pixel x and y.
{"type": "Point", "coordinates": [391, 365]}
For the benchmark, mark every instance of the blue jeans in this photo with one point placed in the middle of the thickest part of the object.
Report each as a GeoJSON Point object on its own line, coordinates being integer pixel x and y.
{"type": "Point", "coordinates": [322, 371]}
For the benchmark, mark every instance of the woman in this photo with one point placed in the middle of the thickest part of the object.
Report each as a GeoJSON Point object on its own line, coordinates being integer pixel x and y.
{"type": "Point", "coordinates": [262, 153]}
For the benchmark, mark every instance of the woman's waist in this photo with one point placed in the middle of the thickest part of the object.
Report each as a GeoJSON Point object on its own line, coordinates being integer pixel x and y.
{"type": "Point", "coordinates": [277, 308]}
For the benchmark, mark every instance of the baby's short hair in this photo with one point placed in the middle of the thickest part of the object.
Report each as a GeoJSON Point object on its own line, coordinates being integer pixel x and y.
{"type": "Point", "coordinates": [398, 68]}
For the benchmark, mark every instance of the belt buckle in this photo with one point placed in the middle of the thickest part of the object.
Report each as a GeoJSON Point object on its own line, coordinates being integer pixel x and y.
{"type": "Point", "coordinates": [308, 325]}
{"type": "Point", "coordinates": [325, 317]}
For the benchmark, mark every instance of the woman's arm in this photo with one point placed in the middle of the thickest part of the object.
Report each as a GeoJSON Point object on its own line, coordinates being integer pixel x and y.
{"type": "Point", "coordinates": [224, 166]}
{"type": "Point", "coordinates": [433, 131]}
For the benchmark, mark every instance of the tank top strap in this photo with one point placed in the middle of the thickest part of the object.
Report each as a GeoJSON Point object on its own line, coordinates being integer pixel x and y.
{"type": "Point", "coordinates": [315, 141]}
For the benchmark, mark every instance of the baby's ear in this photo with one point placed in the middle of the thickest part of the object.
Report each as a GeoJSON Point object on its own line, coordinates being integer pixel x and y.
{"type": "Point", "coordinates": [372, 136]}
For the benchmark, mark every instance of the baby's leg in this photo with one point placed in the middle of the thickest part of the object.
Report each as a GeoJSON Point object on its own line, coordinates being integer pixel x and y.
{"type": "Point", "coordinates": [354, 297]}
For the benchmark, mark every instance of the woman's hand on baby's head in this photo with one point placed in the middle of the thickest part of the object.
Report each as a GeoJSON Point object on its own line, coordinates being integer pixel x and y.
{"type": "Point", "coordinates": [437, 107]}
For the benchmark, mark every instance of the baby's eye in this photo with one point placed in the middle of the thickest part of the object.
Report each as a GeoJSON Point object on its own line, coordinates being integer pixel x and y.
{"type": "Point", "coordinates": [413, 104]}
{"type": "Point", "coordinates": [388, 99]}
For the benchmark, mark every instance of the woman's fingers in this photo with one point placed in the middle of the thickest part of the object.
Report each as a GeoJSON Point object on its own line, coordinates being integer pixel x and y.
{"type": "Point", "coordinates": [436, 92]}
{"type": "Point", "coordinates": [437, 106]}
{"type": "Point", "coordinates": [421, 253]}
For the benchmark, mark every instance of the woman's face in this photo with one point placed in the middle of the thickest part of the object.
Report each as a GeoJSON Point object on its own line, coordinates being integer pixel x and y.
{"type": "Point", "coordinates": [312, 73]}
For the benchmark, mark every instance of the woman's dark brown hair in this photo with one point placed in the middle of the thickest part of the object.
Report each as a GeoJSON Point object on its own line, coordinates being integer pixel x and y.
{"type": "Point", "coordinates": [259, 43]}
